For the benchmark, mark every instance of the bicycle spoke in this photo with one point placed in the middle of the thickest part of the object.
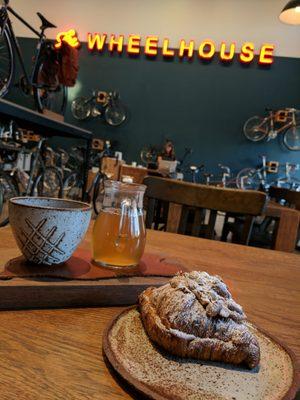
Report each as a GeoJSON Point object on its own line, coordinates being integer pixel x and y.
{"type": "Point", "coordinates": [6, 59]}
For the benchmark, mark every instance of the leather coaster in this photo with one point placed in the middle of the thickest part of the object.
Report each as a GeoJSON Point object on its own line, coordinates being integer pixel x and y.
{"type": "Point", "coordinates": [81, 267]}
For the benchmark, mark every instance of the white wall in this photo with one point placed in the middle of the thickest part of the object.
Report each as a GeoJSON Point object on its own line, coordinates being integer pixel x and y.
{"type": "Point", "coordinates": [228, 20]}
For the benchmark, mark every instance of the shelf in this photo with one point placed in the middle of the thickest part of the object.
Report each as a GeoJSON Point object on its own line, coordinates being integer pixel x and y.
{"type": "Point", "coordinates": [40, 124]}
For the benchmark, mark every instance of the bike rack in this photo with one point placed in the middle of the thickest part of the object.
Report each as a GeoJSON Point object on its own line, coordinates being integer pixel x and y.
{"type": "Point", "coordinates": [32, 120]}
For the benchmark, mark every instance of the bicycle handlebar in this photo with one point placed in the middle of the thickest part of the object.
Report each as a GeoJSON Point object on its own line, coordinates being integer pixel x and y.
{"type": "Point", "coordinates": [227, 169]}
{"type": "Point", "coordinates": [292, 110]}
{"type": "Point", "coordinates": [10, 147]}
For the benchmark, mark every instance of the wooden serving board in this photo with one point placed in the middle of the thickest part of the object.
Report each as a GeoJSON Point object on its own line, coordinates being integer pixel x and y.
{"type": "Point", "coordinates": [17, 294]}
{"type": "Point", "coordinates": [160, 376]}
{"type": "Point", "coordinates": [50, 292]}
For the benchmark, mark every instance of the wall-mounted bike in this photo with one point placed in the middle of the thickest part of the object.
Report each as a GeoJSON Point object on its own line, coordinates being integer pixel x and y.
{"type": "Point", "coordinates": [43, 81]}
{"type": "Point", "coordinates": [103, 104]}
{"type": "Point", "coordinates": [277, 122]}
{"type": "Point", "coordinates": [266, 175]}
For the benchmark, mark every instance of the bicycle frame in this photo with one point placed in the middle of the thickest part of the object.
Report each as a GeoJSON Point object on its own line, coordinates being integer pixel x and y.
{"type": "Point", "coordinates": [27, 185]}
{"type": "Point", "coordinates": [284, 127]}
{"type": "Point", "coordinates": [267, 123]}
{"type": "Point", "coordinates": [39, 48]}
{"type": "Point", "coordinates": [34, 164]}
{"type": "Point", "coordinates": [91, 99]}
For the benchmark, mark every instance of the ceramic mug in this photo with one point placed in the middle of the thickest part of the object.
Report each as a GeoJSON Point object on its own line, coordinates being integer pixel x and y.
{"type": "Point", "coordinates": [48, 230]}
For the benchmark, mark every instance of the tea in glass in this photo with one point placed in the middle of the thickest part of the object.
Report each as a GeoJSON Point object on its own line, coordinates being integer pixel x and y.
{"type": "Point", "coordinates": [119, 235]}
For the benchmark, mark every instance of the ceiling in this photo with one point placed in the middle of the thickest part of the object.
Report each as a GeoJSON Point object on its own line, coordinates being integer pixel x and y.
{"type": "Point", "coordinates": [220, 20]}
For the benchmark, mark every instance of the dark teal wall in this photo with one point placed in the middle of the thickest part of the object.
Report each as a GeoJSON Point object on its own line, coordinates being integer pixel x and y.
{"type": "Point", "coordinates": [198, 105]}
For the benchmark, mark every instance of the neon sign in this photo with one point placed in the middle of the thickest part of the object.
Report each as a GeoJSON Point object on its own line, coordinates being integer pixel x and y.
{"type": "Point", "coordinates": [205, 50]}
{"type": "Point", "coordinates": [69, 37]}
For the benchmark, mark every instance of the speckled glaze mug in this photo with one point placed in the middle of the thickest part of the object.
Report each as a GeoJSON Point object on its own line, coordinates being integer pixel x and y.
{"type": "Point", "coordinates": [48, 230]}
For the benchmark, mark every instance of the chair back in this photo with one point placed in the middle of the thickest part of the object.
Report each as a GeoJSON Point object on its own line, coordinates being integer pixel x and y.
{"type": "Point", "coordinates": [182, 195]}
{"type": "Point", "coordinates": [291, 197]}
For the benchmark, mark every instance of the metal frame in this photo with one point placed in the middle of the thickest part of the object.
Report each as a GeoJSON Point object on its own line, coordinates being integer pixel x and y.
{"type": "Point", "coordinates": [40, 45]}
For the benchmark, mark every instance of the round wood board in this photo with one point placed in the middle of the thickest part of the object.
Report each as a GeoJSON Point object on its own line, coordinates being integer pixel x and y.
{"type": "Point", "coordinates": [161, 376]}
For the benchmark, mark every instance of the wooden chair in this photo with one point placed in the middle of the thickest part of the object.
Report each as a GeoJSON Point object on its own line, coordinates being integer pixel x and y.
{"type": "Point", "coordinates": [290, 197]}
{"type": "Point", "coordinates": [181, 195]}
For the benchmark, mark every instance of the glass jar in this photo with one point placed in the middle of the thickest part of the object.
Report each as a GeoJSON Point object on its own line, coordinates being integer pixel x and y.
{"type": "Point", "coordinates": [119, 234]}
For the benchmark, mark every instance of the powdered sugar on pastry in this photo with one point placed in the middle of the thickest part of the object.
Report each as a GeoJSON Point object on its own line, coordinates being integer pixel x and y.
{"type": "Point", "coordinates": [194, 315]}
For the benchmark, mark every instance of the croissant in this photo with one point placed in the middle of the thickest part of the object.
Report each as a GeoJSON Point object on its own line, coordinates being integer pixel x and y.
{"type": "Point", "coordinates": [195, 316]}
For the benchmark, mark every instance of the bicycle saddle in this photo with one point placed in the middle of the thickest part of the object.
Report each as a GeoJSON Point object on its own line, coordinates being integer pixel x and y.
{"type": "Point", "coordinates": [45, 23]}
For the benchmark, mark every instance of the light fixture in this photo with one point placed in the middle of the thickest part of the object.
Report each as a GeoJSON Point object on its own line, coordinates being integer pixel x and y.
{"type": "Point", "coordinates": [291, 13]}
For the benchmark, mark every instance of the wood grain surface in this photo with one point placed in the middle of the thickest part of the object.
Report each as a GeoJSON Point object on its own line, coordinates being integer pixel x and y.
{"type": "Point", "coordinates": [288, 224]}
{"type": "Point", "coordinates": [56, 354]}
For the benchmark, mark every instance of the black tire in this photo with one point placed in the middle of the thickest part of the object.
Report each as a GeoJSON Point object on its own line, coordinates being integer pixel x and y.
{"type": "Point", "coordinates": [7, 62]}
{"type": "Point", "coordinates": [248, 179]}
{"type": "Point", "coordinates": [48, 184]}
{"type": "Point", "coordinates": [291, 138]}
{"type": "Point", "coordinates": [9, 189]}
{"type": "Point", "coordinates": [81, 108]}
{"type": "Point", "coordinates": [98, 192]}
{"type": "Point", "coordinates": [254, 129]}
{"type": "Point", "coordinates": [53, 99]}
{"type": "Point", "coordinates": [115, 114]}
{"type": "Point", "coordinates": [72, 187]}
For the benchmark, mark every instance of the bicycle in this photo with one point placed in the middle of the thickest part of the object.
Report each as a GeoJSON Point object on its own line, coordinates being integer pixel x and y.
{"type": "Point", "coordinates": [225, 179]}
{"type": "Point", "coordinates": [43, 80]}
{"type": "Point", "coordinates": [40, 180]}
{"type": "Point", "coordinates": [282, 121]}
{"type": "Point", "coordinates": [100, 103]}
{"type": "Point", "coordinates": [73, 184]}
{"type": "Point", "coordinates": [257, 178]}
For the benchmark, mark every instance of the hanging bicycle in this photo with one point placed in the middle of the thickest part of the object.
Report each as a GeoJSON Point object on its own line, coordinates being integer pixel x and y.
{"type": "Point", "coordinates": [283, 122]}
{"type": "Point", "coordinates": [43, 81]}
{"type": "Point", "coordinates": [103, 104]}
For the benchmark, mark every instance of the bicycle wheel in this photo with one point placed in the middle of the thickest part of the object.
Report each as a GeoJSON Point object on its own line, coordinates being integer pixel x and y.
{"type": "Point", "coordinates": [9, 189]}
{"type": "Point", "coordinates": [1, 199]}
{"type": "Point", "coordinates": [53, 98]}
{"type": "Point", "coordinates": [81, 108]}
{"type": "Point", "coordinates": [256, 129]}
{"type": "Point", "coordinates": [248, 178]}
{"type": "Point", "coordinates": [7, 62]}
{"type": "Point", "coordinates": [98, 193]}
{"type": "Point", "coordinates": [48, 183]}
{"type": "Point", "coordinates": [115, 114]}
{"type": "Point", "coordinates": [291, 138]}
{"type": "Point", "coordinates": [72, 188]}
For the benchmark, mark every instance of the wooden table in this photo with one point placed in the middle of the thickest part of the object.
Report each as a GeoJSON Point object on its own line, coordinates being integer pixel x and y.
{"type": "Point", "coordinates": [56, 354]}
{"type": "Point", "coordinates": [286, 234]}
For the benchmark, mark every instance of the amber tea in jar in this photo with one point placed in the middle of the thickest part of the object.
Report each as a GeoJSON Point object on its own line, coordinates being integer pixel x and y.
{"type": "Point", "coordinates": [119, 234]}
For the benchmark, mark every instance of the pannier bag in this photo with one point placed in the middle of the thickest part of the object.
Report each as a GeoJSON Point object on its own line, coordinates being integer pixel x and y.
{"type": "Point", "coordinates": [69, 65]}
{"type": "Point", "coordinates": [48, 74]}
